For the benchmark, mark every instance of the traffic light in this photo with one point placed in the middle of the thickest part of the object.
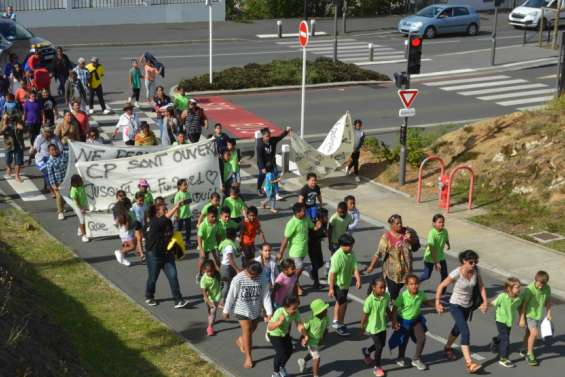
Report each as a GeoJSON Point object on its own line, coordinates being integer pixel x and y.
{"type": "Point", "coordinates": [401, 80]}
{"type": "Point", "coordinates": [414, 54]}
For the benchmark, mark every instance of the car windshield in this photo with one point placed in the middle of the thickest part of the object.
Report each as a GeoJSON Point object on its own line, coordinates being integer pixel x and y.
{"type": "Point", "coordinates": [430, 12]}
{"type": "Point", "coordinates": [16, 31]}
{"type": "Point", "coordinates": [536, 3]}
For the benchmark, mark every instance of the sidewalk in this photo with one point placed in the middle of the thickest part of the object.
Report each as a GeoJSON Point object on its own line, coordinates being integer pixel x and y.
{"type": "Point", "coordinates": [499, 252]}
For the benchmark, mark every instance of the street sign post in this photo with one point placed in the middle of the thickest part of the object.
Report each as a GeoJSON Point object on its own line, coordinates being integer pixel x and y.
{"type": "Point", "coordinates": [208, 3]}
{"type": "Point", "coordinates": [303, 38]}
{"type": "Point", "coordinates": [407, 97]}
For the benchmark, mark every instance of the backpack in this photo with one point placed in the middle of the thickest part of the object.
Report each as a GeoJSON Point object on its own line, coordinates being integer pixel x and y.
{"type": "Point", "coordinates": [414, 239]}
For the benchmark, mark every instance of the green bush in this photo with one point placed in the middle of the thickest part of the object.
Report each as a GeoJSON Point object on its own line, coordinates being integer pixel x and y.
{"type": "Point", "coordinates": [417, 141]}
{"type": "Point", "coordinates": [281, 72]}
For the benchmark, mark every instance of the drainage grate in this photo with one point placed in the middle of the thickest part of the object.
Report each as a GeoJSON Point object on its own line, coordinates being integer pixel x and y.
{"type": "Point", "coordinates": [545, 237]}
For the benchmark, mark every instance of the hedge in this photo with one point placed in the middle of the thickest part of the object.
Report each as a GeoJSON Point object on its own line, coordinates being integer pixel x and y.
{"type": "Point", "coordinates": [281, 72]}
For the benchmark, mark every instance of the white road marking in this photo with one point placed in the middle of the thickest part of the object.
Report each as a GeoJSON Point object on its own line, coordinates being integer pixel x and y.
{"type": "Point", "coordinates": [463, 81]}
{"type": "Point", "coordinates": [478, 50]}
{"type": "Point", "coordinates": [554, 76]}
{"type": "Point", "coordinates": [26, 189]}
{"type": "Point", "coordinates": [390, 57]}
{"type": "Point", "coordinates": [221, 54]}
{"type": "Point", "coordinates": [525, 101]}
{"type": "Point", "coordinates": [517, 94]}
{"type": "Point", "coordinates": [503, 89]}
{"type": "Point", "coordinates": [506, 37]}
{"type": "Point", "coordinates": [483, 85]}
{"type": "Point", "coordinates": [442, 73]}
{"type": "Point", "coordinates": [341, 48]}
{"type": "Point", "coordinates": [388, 62]}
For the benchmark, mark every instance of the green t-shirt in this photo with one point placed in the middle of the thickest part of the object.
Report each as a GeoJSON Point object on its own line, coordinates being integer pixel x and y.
{"type": "Point", "coordinates": [184, 210]}
{"type": "Point", "coordinates": [205, 208]}
{"type": "Point", "coordinates": [207, 233]}
{"type": "Point", "coordinates": [78, 194]}
{"type": "Point", "coordinates": [181, 102]}
{"type": "Point", "coordinates": [223, 226]}
{"type": "Point", "coordinates": [148, 199]}
{"type": "Point", "coordinates": [283, 329]}
{"type": "Point", "coordinates": [506, 308]}
{"type": "Point", "coordinates": [234, 162]}
{"type": "Point", "coordinates": [135, 78]}
{"type": "Point", "coordinates": [339, 226]}
{"type": "Point", "coordinates": [227, 242]}
{"type": "Point", "coordinates": [535, 300]}
{"type": "Point", "coordinates": [436, 240]}
{"type": "Point", "coordinates": [296, 231]}
{"type": "Point", "coordinates": [212, 286]}
{"type": "Point", "coordinates": [227, 171]}
{"type": "Point", "coordinates": [343, 265]}
{"type": "Point", "coordinates": [376, 310]}
{"type": "Point", "coordinates": [409, 306]}
{"type": "Point", "coordinates": [315, 328]}
{"type": "Point", "coordinates": [235, 205]}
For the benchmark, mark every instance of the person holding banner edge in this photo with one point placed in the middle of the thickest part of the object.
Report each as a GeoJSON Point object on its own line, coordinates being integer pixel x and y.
{"type": "Point", "coordinates": [265, 155]}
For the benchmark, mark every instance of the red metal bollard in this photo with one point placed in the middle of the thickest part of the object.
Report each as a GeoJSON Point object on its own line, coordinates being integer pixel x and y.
{"type": "Point", "coordinates": [421, 171]}
{"type": "Point", "coordinates": [471, 186]}
{"type": "Point", "coordinates": [443, 183]}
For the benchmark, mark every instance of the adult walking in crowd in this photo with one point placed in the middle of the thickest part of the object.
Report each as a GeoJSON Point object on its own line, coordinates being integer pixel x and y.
{"type": "Point", "coordinates": [358, 140]}
{"type": "Point", "coordinates": [80, 118]}
{"type": "Point", "coordinates": [468, 291]}
{"type": "Point", "coordinates": [158, 233]}
{"type": "Point", "coordinates": [249, 292]}
{"type": "Point", "coordinates": [196, 121]}
{"type": "Point", "coordinates": [395, 250]}
{"type": "Point", "coordinates": [68, 129]}
{"type": "Point", "coordinates": [96, 73]}
{"type": "Point", "coordinates": [60, 67]}
{"type": "Point", "coordinates": [40, 151]}
{"type": "Point", "coordinates": [75, 90]}
{"type": "Point", "coordinates": [128, 123]}
{"type": "Point", "coordinates": [82, 73]}
{"type": "Point", "coordinates": [265, 154]}
{"type": "Point", "coordinates": [161, 104]}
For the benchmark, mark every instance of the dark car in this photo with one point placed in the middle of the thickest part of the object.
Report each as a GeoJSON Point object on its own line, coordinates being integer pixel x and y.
{"type": "Point", "coordinates": [22, 40]}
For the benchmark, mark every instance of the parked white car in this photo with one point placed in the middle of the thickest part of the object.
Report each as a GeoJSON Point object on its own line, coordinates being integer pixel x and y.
{"type": "Point", "coordinates": [529, 14]}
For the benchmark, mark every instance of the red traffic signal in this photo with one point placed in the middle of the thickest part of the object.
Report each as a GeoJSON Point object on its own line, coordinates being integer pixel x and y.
{"type": "Point", "coordinates": [416, 42]}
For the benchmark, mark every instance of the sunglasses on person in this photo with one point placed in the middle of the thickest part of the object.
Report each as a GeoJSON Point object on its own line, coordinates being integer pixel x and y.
{"type": "Point", "coordinates": [473, 262]}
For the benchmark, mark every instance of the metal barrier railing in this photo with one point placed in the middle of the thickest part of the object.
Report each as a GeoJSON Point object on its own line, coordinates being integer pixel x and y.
{"type": "Point", "coordinates": [34, 5]}
{"type": "Point", "coordinates": [27, 5]}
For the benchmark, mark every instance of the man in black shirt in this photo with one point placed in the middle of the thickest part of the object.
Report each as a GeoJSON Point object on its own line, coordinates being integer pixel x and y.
{"type": "Point", "coordinates": [266, 153]}
{"type": "Point", "coordinates": [158, 233]}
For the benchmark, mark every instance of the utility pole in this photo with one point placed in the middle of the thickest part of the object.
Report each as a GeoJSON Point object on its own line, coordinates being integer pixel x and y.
{"type": "Point", "coordinates": [209, 5]}
{"type": "Point", "coordinates": [556, 23]}
{"type": "Point", "coordinates": [306, 10]}
{"type": "Point", "coordinates": [561, 68]}
{"type": "Point", "coordinates": [335, 30]}
{"type": "Point", "coordinates": [493, 50]}
{"type": "Point", "coordinates": [343, 17]}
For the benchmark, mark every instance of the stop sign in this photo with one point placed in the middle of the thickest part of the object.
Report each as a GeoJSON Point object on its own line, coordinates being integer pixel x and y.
{"type": "Point", "coordinates": [303, 34]}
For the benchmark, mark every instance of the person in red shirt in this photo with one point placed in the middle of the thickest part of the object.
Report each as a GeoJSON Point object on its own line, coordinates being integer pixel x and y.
{"type": "Point", "coordinates": [81, 119]}
{"type": "Point", "coordinates": [33, 60]}
{"type": "Point", "coordinates": [250, 228]}
{"type": "Point", "coordinates": [22, 94]}
{"type": "Point", "coordinates": [41, 79]}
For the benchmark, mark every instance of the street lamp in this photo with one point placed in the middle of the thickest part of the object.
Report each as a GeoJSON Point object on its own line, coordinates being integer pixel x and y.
{"type": "Point", "coordinates": [208, 3]}
{"type": "Point", "coordinates": [335, 29]}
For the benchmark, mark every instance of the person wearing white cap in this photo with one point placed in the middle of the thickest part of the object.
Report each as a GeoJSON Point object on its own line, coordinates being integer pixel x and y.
{"type": "Point", "coordinates": [95, 77]}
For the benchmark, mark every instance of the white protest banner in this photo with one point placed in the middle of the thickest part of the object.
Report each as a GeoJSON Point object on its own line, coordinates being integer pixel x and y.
{"type": "Point", "coordinates": [330, 155]}
{"type": "Point", "coordinates": [197, 163]}
{"type": "Point", "coordinates": [95, 152]}
{"type": "Point", "coordinates": [100, 224]}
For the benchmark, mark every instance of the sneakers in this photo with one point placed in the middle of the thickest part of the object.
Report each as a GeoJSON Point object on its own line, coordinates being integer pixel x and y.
{"type": "Point", "coordinates": [418, 364]}
{"type": "Point", "coordinates": [210, 331]}
{"type": "Point", "coordinates": [120, 258]}
{"type": "Point", "coordinates": [79, 232]}
{"type": "Point", "coordinates": [378, 372]}
{"type": "Point", "coordinates": [136, 104]}
{"type": "Point", "coordinates": [181, 304]}
{"type": "Point", "coordinates": [282, 372]}
{"type": "Point", "coordinates": [531, 359]}
{"type": "Point", "coordinates": [523, 352]}
{"type": "Point", "coordinates": [198, 278]}
{"type": "Point", "coordinates": [367, 356]}
{"type": "Point", "coordinates": [301, 365]}
{"type": "Point", "coordinates": [90, 111]}
{"type": "Point", "coordinates": [342, 331]}
{"type": "Point", "coordinates": [336, 325]}
{"type": "Point", "coordinates": [279, 197]}
{"type": "Point", "coordinates": [506, 363]}
{"type": "Point", "coordinates": [61, 216]}
{"type": "Point", "coordinates": [107, 111]}
{"type": "Point", "coordinates": [401, 363]}
{"type": "Point", "coordinates": [151, 302]}
{"type": "Point", "coordinates": [260, 193]}
{"type": "Point", "coordinates": [275, 374]}
{"type": "Point", "coordinates": [267, 336]}
{"type": "Point", "coordinates": [357, 179]}
{"type": "Point", "coordinates": [85, 238]}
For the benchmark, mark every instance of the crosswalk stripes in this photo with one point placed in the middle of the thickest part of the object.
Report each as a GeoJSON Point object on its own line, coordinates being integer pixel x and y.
{"type": "Point", "coordinates": [503, 90]}
{"type": "Point", "coordinates": [350, 50]}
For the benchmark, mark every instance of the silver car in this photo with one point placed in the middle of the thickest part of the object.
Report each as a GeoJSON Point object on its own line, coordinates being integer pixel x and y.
{"type": "Point", "coordinates": [441, 19]}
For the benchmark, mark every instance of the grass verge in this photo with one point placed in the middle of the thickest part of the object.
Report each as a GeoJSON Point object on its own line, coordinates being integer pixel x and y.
{"type": "Point", "coordinates": [110, 335]}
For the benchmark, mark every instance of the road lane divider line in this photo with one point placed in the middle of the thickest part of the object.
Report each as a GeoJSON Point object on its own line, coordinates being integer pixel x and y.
{"type": "Point", "coordinates": [26, 189]}
{"type": "Point", "coordinates": [525, 101]}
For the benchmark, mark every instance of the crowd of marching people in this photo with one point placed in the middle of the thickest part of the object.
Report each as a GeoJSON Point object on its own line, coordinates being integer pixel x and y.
{"type": "Point", "coordinates": [240, 274]}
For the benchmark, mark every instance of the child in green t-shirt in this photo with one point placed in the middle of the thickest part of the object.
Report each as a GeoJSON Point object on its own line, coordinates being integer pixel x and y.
{"type": "Point", "coordinates": [143, 186]}
{"type": "Point", "coordinates": [134, 79]}
{"type": "Point", "coordinates": [316, 328]}
{"type": "Point", "coordinates": [226, 223]}
{"type": "Point", "coordinates": [234, 161]}
{"type": "Point", "coordinates": [278, 330]}
{"type": "Point", "coordinates": [212, 292]}
{"type": "Point", "coordinates": [507, 307]}
{"type": "Point", "coordinates": [236, 204]}
{"type": "Point", "coordinates": [343, 268]}
{"type": "Point", "coordinates": [184, 215]}
{"type": "Point", "coordinates": [376, 314]}
{"type": "Point", "coordinates": [214, 202]}
{"type": "Point", "coordinates": [78, 195]}
{"type": "Point", "coordinates": [338, 225]}
{"type": "Point", "coordinates": [434, 257]}
{"type": "Point", "coordinates": [535, 298]}
{"type": "Point", "coordinates": [407, 307]}
{"type": "Point", "coordinates": [208, 239]}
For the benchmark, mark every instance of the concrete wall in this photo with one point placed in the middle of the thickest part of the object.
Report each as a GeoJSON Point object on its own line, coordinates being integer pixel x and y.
{"type": "Point", "coordinates": [123, 15]}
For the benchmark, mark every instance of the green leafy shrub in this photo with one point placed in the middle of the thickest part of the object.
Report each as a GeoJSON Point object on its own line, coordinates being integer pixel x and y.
{"type": "Point", "coordinates": [281, 72]}
{"type": "Point", "coordinates": [417, 141]}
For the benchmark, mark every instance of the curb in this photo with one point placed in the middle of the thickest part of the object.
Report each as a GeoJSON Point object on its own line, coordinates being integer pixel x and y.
{"type": "Point", "coordinates": [154, 316]}
{"type": "Point", "coordinates": [150, 43]}
{"type": "Point", "coordinates": [172, 91]}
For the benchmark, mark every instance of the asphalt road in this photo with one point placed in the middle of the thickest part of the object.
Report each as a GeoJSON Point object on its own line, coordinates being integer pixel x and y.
{"type": "Point", "coordinates": [341, 356]}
